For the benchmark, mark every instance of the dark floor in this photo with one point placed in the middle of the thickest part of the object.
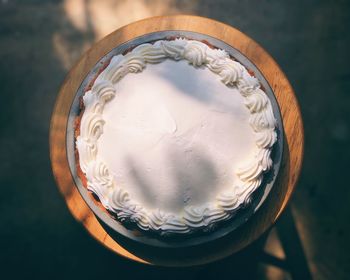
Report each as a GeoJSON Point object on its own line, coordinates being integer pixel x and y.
{"type": "Point", "coordinates": [39, 42]}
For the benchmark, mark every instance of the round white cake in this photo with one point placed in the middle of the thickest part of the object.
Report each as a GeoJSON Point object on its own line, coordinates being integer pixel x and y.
{"type": "Point", "coordinates": [175, 136]}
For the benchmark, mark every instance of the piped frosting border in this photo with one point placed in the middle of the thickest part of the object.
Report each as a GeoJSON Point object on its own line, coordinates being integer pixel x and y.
{"type": "Point", "coordinates": [117, 200]}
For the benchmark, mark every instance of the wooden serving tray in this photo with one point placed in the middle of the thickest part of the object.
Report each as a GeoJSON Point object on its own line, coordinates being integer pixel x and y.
{"type": "Point", "coordinates": [259, 222]}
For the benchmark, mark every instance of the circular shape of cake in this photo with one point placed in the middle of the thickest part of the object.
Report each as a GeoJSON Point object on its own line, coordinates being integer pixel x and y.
{"type": "Point", "coordinates": [175, 136]}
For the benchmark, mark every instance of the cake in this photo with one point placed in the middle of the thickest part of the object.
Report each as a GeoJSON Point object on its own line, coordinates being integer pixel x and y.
{"type": "Point", "coordinates": [174, 137]}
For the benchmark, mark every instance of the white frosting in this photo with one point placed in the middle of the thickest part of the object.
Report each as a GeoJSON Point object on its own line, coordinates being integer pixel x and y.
{"type": "Point", "coordinates": [173, 149]}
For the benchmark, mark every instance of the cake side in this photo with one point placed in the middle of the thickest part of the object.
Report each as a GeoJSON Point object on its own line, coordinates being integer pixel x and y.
{"type": "Point", "coordinates": [90, 128]}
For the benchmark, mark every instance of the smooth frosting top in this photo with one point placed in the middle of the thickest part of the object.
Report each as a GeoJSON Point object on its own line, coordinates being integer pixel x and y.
{"type": "Point", "coordinates": [172, 148]}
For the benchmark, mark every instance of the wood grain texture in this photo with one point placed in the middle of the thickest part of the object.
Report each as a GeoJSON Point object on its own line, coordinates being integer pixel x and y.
{"type": "Point", "coordinates": [274, 204]}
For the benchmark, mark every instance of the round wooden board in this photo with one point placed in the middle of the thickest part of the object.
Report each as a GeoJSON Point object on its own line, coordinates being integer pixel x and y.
{"type": "Point", "coordinates": [256, 225]}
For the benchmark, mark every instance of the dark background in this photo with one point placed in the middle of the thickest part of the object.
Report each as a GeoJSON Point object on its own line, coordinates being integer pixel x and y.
{"type": "Point", "coordinates": [41, 40]}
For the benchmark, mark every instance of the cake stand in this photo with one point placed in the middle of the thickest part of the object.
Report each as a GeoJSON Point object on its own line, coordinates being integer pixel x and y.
{"type": "Point", "coordinates": [275, 202]}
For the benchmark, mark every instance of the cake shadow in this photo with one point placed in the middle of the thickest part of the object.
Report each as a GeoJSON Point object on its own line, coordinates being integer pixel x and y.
{"type": "Point", "coordinates": [194, 89]}
{"type": "Point", "coordinates": [183, 173]}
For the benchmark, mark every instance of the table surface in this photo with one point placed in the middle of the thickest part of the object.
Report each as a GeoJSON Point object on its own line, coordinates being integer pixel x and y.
{"type": "Point", "coordinates": [284, 185]}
